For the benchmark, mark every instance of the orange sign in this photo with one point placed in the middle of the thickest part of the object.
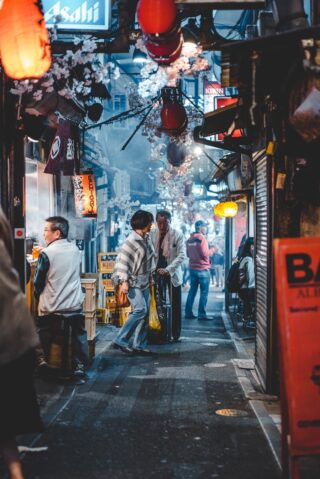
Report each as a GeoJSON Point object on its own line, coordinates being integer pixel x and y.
{"type": "Point", "coordinates": [297, 276]}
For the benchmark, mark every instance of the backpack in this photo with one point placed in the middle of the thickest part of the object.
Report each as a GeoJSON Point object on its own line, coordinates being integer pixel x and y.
{"type": "Point", "coordinates": [233, 283]}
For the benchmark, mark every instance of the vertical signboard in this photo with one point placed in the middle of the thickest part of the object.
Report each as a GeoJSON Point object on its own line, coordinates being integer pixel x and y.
{"type": "Point", "coordinates": [297, 277]}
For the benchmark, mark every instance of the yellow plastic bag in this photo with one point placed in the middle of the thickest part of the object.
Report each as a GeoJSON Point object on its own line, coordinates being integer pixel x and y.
{"type": "Point", "coordinates": [154, 322]}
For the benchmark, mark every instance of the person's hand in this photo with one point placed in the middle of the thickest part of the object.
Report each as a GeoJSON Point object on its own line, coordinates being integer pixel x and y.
{"type": "Point", "coordinates": [124, 287]}
{"type": "Point", "coordinates": [163, 272]}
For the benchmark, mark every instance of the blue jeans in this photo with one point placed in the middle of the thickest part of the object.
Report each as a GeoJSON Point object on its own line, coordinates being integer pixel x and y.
{"type": "Point", "coordinates": [198, 278]}
{"type": "Point", "coordinates": [134, 332]}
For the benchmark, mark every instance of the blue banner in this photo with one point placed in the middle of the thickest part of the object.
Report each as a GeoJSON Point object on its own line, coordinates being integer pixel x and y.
{"type": "Point", "coordinates": [85, 15]}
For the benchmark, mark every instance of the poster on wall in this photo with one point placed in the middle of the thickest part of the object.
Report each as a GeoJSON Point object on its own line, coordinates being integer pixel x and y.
{"type": "Point", "coordinates": [297, 281]}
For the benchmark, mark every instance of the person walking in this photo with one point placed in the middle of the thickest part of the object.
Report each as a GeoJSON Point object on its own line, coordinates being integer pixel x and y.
{"type": "Point", "coordinates": [247, 280]}
{"type": "Point", "coordinates": [132, 276]}
{"type": "Point", "coordinates": [170, 254]}
{"type": "Point", "coordinates": [57, 286]}
{"type": "Point", "coordinates": [217, 261]}
{"type": "Point", "coordinates": [19, 410]}
{"type": "Point", "coordinates": [199, 254]}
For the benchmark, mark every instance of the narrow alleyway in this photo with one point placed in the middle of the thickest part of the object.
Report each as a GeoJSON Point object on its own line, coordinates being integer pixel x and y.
{"type": "Point", "coordinates": [154, 417]}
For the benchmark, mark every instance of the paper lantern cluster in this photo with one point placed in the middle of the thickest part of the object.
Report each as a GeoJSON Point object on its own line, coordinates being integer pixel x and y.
{"type": "Point", "coordinates": [161, 29]}
{"type": "Point", "coordinates": [24, 41]}
{"type": "Point", "coordinates": [226, 209]}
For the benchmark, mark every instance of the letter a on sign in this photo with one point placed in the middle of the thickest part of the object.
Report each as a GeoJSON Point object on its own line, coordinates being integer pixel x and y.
{"type": "Point", "coordinates": [298, 314]}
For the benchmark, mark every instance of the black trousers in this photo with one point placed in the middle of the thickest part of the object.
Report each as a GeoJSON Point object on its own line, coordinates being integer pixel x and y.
{"type": "Point", "coordinates": [165, 286]}
{"type": "Point", "coordinates": [54, 327]}
{"type": "Point", "coordinates": [176, 311]}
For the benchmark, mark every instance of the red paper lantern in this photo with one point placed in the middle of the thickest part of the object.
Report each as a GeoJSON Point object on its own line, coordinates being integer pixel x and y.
{"type": "Point", "coordinates": [167, 59]}
{"type": "Point", "coordinates": [174, 118]}
{"type": "Point", "coordinates": [162, 46]}
{"type": "Point", "coordinates": [24, 42]}
{"type": "Point", "coordinates": [156, 16]}
{"type": "Point", "coordinates": [85, 195]}
{"type": "Point", "coordinates": [176, 154]}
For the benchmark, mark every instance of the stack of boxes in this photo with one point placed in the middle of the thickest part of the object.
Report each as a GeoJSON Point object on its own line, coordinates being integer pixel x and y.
{"type": "Point", "coordinates": [89, 287]}
{"type": "Point", "coordinates": [109, 312]}
{"type": "Point", "coordinates": [107, 303]}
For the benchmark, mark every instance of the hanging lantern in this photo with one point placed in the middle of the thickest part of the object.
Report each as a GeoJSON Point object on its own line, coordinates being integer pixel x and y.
{"type": "Point", "coordinates": [167, 59]}
{"type": "Point", "coordinates": [174, 118]}
{"type": "Point", "coordinates": [85, 198]}
{"type": "Point", "coordinates": [24, 42]}
{"type": "Point", "coordinates": [226, 209]}
{"type": "Point", "coordinates": [163, 48]}
{"type": "Point", "coordinates": [156, 16]}
{"type": "Point", "coordinates": [176, 154]}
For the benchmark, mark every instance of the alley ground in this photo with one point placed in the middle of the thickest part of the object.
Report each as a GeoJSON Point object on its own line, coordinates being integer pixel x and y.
{"type": "Point", "coordinates": [182, 414]}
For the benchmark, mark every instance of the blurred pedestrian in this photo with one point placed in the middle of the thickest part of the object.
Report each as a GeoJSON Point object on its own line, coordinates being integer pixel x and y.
{"type": "Point", "coordinates": [132, 276]}
{"type": "Point", "coordinates": [247, 278]}
{"type": "Point", "coordinates": [199, 254]}
{"type": "Point", "coordinates": [170, 254]}
{"type": "Point", "coordinates": [58, 287]}
{"type": "Point", "coordinates": [217, 262]}
{"type": "Point", "coordinates": [19, 410]}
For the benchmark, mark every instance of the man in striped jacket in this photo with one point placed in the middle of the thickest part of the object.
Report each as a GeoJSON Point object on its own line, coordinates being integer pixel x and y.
{"type": "Point", "coordinates": [132, 275]}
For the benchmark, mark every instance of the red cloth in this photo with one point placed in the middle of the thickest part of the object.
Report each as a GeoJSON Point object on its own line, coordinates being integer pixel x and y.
{"type": "Point", "coordinates": [65, 150]}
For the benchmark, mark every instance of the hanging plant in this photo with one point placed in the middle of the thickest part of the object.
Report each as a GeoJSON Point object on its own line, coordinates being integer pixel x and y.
{"type": "Point", "coordinates": [78, 75]}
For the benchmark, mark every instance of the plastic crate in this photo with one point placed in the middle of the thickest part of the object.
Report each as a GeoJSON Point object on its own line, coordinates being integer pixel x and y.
{"type": "Point", "coordinates": [111, 302]}
{"type": "Point", "coordinates": [106, 262]}
{"type": "Point", "coordinates": [106, 279]}
{"type": "Point", "coordinates": [103, 315]}
{"type": "Point", "coordinates": [121, 315]}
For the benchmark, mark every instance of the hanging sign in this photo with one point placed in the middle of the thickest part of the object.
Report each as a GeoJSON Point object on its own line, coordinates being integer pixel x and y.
{"type": "Point", "coordinates": [297, 276]}
{"type": "Point", "coordinates": [84, 15]}
{"type": "Point", "coordinates": [85, 195]}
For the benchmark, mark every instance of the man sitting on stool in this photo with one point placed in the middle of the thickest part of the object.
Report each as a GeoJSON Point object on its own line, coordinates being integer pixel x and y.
{"type": "Point", "coordinates": [57, 285]}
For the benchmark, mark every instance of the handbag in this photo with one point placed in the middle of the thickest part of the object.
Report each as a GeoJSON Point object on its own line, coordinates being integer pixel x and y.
{"type": "Point", "coordinates": [121, 298]}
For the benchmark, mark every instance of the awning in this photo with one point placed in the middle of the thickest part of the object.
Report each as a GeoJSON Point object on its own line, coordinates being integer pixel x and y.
{"type": "Point", "coordinates": [220, 120]}
{"type": "Point", "coordinates": [223, 120]}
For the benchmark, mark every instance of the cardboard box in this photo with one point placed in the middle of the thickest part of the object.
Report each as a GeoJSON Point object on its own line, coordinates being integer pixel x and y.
{"type": "Point", "coordinates": [106, 262]}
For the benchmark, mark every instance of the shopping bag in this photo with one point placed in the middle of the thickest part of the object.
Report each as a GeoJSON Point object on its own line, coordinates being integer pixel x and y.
{"type": "Point", "coordinates": [121, 298]}
{"type": "Point", "coordinates": [154, 322]}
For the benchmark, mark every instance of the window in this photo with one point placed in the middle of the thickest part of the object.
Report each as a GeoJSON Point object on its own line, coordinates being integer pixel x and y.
{"type": "Point", "coordinates": [119, 106]}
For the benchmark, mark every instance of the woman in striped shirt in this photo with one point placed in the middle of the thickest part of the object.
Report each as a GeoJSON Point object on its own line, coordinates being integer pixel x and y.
{"type": "Point", "coordinates": [132, 275]}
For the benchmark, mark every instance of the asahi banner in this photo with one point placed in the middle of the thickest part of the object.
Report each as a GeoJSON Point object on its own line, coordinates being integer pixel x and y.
{"type": "Point", "coordinates": [85, 15]}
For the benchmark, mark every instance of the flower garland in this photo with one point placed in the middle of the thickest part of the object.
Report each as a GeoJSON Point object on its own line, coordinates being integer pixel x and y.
{"type": "Point", "coordinates": [78, 75]}
{"type": "Point", "coordinates": [190, 63]}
